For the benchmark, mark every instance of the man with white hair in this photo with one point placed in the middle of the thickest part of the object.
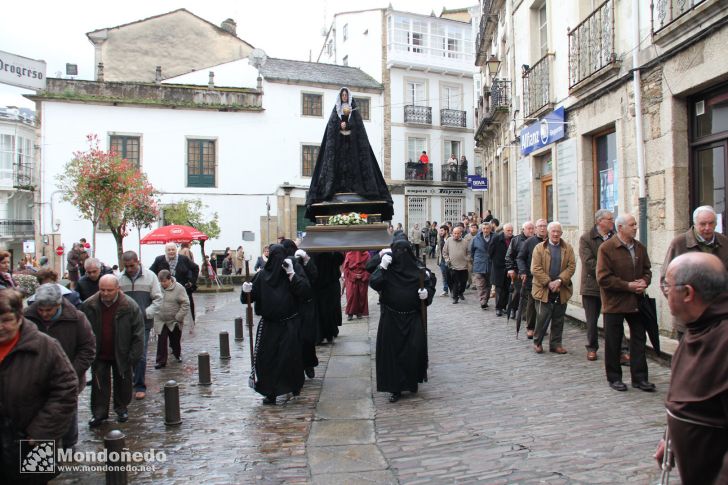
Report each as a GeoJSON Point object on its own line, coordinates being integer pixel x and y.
{"type": "Point", "coordinates": [498, 277]}
{"type": "Point", "coordinates": [552, 265]}
{"type": "Point", "coordinates": [701, 237]}
{"type": "Point", "coordinates": [512, 265]}
{"type": "Point", "coordinates": [623, 275]}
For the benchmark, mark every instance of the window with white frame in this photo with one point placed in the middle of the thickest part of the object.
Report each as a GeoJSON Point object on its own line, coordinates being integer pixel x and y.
{"type": "Point", "coordinates": [330, 48]}
{"type": "Point", "coordinates": [364, 106]}
{"type": "Point", "coordinates": [451, 147]}
{"type": "Point", "coordinates": [7, 155]}
{"type": "Point", "coordinates": [415, 95]}
{"type": "Point", "coordinates": [543, 36]}
{"type": "Point", "coordinates": [311, 104]}
{"type": "Point", "coordinates": [128, 147]}
{"type": "Point", "coordinates": [309, 154]}
{"type": "Point", "coordinates": [415, 146]}
{"type": "Point", "coordinates": [345, 60]}
{"type": "Point", "coordinates": [345, 32]}
{"type": "Point", "coordinates": [410, 35]}
{"type": "Point", "coordinates": [452, 208]}
{"type": "Point", "coordinates": [451, 97]}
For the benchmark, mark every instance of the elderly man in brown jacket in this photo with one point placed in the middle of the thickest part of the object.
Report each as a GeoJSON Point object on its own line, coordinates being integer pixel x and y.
{"type": "Point", "coordinates": [623, 274]}
{"type": "Point", "coordinates": [552, 266]}
{"type": "Point", "coordinates": [701, 237]}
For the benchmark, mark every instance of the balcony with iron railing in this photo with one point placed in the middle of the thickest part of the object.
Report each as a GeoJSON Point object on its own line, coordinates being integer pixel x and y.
{"type": "Point", "coordinates": [453, 172]}
{"type": "Point", "coordinates": [537, 86]}
{"type": "Point", "coordinates": [454, 118]}
{"type": "Point", "coordinates": [417, 171]}
{"type": "Point", "coordinates": [591, 46]}
{"type": "Point", "coordinates": [420, 115]}
{"type": "Point", "coordinates": [16, 228]}
{"type": "Point", "coordinates": [481, 44]}
{"type": "Point", "coordinates": [664, 12]}
{"type": "Point", "coordinates": [496, 101]}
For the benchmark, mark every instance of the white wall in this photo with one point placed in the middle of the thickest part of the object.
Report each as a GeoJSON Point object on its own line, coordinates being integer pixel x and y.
{"type": "Point", "coordinates": [364, 49]}
{"type": "Point", "coordinates": [256, 152]}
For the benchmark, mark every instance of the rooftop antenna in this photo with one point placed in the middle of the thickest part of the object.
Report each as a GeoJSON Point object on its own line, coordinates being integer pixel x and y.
{"type": "Point", "coordinates": [257, 58]}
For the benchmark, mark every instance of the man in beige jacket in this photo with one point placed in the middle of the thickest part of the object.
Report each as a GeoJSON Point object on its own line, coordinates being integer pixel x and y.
{"type": "Point", "coordinates": [168, 321]}
{"type": "Point", "coordinates": [456, 254]}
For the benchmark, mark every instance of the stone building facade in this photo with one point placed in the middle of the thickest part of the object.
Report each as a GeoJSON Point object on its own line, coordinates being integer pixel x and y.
{"type": "Point", "coordinates": [626, 110]}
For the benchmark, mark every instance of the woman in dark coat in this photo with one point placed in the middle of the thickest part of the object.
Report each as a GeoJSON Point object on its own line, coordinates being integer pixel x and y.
{"type": "Point", "coordinates": [327, 294]}
{"type": "Point", "coordinates": [346, 162]}
{"type": "Point", "coordinates": [401, 340]}
{"type": "Point", "coordinates": [309, 318]}
{"type": "Point", "coordinates": [277, 292]}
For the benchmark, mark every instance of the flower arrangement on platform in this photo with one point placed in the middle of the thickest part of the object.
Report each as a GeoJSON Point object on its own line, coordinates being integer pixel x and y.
{"type": "Point", "coordinates": [352, 218]}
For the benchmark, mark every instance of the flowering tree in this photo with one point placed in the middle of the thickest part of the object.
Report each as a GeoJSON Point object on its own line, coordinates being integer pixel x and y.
{"type": "Point", "coordinates": [143, 210]}
{"type": "Point", "coordinates": [106, 188]}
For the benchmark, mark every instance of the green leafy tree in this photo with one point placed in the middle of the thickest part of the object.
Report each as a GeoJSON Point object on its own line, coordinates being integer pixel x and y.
{"type": "Point", "coordinates": [190, 212]}
{"type": "Point", "coordinates": [141, 210]}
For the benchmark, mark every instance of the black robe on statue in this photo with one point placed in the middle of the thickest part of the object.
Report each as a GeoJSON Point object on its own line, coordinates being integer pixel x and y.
{"type": "Point", "coordinates": [346, 164]}
{"type": "Point", "coordinates": [277, 300]}
{"type": "Point", "coordinates": [327, 294]}
{"type": "Point", "coordinates": [401, 341]}
{"type": "Point", "coordinates": [309, 330]}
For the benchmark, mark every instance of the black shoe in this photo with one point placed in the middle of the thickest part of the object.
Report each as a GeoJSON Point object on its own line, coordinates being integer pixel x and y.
{"type": "Point", "coordinates": [513, 314]}
{"type": "Point", "coordinates": [122, 417]}
{"type": "Point", "coordinates": [644, 385]}
{"type": "Point", "coordinates": [498, 313]}
{"type": "Point", "coordinates": [454, 301]}
{"type": "Point", "coordinates": [358, 317]}
{"type": "Point", "coordinates": [462, 297]}
{"type": "Point", "coordinates": [96, 422]}
{"type": "Point", "coordinates": [394, 397]}
{"type": "Point", "coordinates": [179, 359]}
{"type": "Point", "coordinates": [484, 306]}
{"type": "Point", "coordinates": [310, 373]}
{"type": "Point", "coordinates": [618, 386]}
{"type": "Point", "coordinates": [349, 318]}
{"type": "Point", "coordinates": [160, 366]}
{"type": "Point", "coordinates": [269, 400]}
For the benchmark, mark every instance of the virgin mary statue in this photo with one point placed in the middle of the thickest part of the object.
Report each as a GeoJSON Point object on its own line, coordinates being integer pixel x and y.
{"type": "Point", "coordinates": [346, 164]}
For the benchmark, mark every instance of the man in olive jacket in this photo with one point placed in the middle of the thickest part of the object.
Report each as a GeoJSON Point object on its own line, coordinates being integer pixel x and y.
{"type": "Point", "coordinates": [699, 238]}
{"type": "Point", "coordinates": [552, 265]}
{"type": "Point", "coordinates": [118, 324]}
{"type": "Point", "coordinates": [623, 274]}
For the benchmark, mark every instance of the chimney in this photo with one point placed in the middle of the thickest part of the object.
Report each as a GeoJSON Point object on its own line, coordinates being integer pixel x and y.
{"type": "Point", "coordinates": [230, 26]}
{"type": "Point", "coordinates": [100, 72]}
{"type": "Point", "coordinates": [211, 82]}
{"type": "Point", "coordinates": [158, 75]}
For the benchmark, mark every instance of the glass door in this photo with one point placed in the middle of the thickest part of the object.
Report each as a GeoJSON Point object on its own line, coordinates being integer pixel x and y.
{"type": "Point", "coordinates": [710, 179]}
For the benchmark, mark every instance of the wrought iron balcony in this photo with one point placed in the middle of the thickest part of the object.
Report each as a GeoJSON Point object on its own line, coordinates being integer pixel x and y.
{"type": "Point", "coordinates": [422, 115]}
{"type": "Point", "coordinates": [454, 173]}
{"type": "Point", "coordinates": [417, 171]}
{"type": "Point", "coordinates": [591, 44]}
{"type": "Point", "coordinates": [495, 100]}
{"type": "Point", "coordinates": [23, 177]}
{"type": "Point", "coordinates": [537, 86]}
{"type": "Point", "coordinates": [16, 228]}
{"type": "Point", "coordinates": [664, 12]}
{"type": "Point", "coordinates": [485, 17]}
{"type": "Point", "coordinates": [453, 117]}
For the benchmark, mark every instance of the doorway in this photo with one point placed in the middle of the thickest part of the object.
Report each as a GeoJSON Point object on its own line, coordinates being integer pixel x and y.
{"type": "Point", "coordinates": [547, 198]}
{"type": "Point", "coordinates": [710, 178]}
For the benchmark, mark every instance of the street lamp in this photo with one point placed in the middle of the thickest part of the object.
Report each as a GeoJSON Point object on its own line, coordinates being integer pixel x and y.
{"type": "Point", "coordinates": [493, 65]}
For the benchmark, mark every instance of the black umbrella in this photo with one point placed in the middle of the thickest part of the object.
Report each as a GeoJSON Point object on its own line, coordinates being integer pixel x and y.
{"type": "Point", "coordinates": [648, 313]}
{"type": "Point", "coordinates": [515, 292]}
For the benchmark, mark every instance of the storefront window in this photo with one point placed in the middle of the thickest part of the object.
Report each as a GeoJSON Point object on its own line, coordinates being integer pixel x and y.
{"type": "Point", "coordinates": [714, 117]}
{"type": "Point", "coordinates": [606, 173]}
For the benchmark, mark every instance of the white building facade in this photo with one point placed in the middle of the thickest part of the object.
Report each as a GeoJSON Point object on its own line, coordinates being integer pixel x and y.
{"type": "Point", "coordinates": [17, 181]}
{"type": "Point", "coordinates": [425, 64]}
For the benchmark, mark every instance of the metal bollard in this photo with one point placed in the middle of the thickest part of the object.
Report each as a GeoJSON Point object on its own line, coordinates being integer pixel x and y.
{"type": "Point", "coordinates": [424, 260]}
{"type": "Point", "coordinates": [171, 404]}
{"type": "Point", "coordinates": [224, 346]}
{"type": "Point", "coordinates": [116, 470]}
{"type": "Point", "coordinates": [203, 366]}
{"type": "Point", "coordinates": [239, 329]}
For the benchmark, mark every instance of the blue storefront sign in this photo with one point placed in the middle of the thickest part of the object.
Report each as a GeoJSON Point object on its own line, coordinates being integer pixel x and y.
{"type": "Point", "coordinates": [476, 182]}
{"type": "Point", "coordinates": [549, 129]}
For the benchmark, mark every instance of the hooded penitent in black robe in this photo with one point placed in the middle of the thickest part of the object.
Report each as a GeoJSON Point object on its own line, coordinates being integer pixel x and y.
{"type": "Point", "coordinates": [327, 294]}
{"type": "Point", "coordinates": [277, 346]}
{"type": "Point", "coordinates": [401, 341]}
{"type": "Point", "coordinates": [309, 319]}
{"type": "Point", "coordinates": [697, 402]}
{"type": "Point", "coordinates": [346, 163]}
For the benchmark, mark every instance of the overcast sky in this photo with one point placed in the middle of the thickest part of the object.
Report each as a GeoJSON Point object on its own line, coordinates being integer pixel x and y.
{"type": "Point", "coordinates": [56, 31]}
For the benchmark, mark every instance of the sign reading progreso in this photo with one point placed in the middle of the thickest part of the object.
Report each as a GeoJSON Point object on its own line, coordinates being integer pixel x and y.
{"type": "Point", "coordinates": [22, 72]}
{"type": "Point", "coordinates": [549, 129]}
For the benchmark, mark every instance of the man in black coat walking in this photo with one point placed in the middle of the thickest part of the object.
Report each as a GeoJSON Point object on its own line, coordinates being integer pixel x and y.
{"type": "Point", "coordinates": [183, 269]}
{"type": "Point", "coordinates": [524, 272]}
{"type": "Point", "coordinates": [498, 277]}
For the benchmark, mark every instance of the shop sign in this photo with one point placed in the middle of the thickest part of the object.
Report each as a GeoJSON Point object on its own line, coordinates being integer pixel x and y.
{"type": "Point", "coordinates": [549, 129]}
{"type": "Point", "coordinates": [22, 72]}
{"type": "Point", "coordinates": [476, 182]}
{"type": "Point", "coordinates": [433, 191]}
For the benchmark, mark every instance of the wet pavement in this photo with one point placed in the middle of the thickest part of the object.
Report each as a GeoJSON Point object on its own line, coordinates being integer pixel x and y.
{"type": "Point", "coordinates": [492, 412]}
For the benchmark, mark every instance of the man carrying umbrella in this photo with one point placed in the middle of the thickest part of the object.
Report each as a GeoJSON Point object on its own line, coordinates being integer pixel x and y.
{"type": "Point", "coordinates": [518, 297]}
{"type": "Point", "coordinates": [623, 274]}
{"type": "Point", "coordinates": [183, 269]}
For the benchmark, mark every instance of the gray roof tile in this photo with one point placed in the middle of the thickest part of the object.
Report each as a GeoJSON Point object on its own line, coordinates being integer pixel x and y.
{"type": "Point", "coordinates": [315, 72]}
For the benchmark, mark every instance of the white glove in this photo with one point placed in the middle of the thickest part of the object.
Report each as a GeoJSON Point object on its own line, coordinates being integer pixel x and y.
{"type": "Point", "coordinates": [385, 251]}
{"type": "Point", "coordinates": [302, 254]}
{"type": "Point", "coordinates": [422, 293]}
{"type": "Point", "coordinates": [247, 287]}
{"type": "Point", "coordinates": [386, 261]}
{"type": "Point", "coordinates": [288, 266]}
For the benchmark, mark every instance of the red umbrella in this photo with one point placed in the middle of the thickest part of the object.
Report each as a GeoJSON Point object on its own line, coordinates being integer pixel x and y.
{"type": "Point", "coordinates": [174, 233]}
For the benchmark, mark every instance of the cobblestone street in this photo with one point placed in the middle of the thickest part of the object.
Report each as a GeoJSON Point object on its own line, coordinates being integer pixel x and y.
{"type": "Point", "coordinates": [492, 412]}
